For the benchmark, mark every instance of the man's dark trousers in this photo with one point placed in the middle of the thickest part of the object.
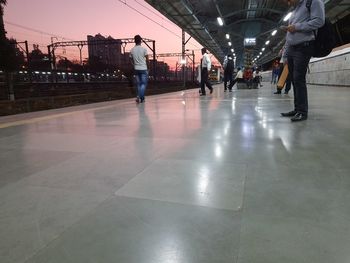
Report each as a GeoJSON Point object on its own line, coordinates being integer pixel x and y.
{"type": "Point", "coordinates": [298, 61]}
{"type": "Point", "coordinates": [228, 76]}
{"type": "Point", "coordinates": [205, 81]}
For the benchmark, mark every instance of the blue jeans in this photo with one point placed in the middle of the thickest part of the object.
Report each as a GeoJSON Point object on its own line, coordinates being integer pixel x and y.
{"type": "Point", "coordinates": [141, 82]}
{"type": "Point", "coordinates": [274, 78]}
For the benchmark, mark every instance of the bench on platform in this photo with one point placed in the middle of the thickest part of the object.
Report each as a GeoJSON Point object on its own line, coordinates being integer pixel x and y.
{"type": "Point", "coordinates": [244, 85]}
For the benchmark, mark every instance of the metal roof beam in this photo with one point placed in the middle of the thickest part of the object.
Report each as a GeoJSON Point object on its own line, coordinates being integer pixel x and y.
{"type": "Point", "coordinates": [254, 9]}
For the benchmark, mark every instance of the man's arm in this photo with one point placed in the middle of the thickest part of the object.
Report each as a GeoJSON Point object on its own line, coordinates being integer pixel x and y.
{"type": "Point", "coordinates": [131, 59]}
{"type": "Point", "coordinates": [225, 62]}
{"type": "Point", "coordinates": [146, 57]}
{"type": "Point", "coordinates": [207, 58]}
{"type": "Point", "coordinates": [147, 60]}
{"type": "Point", "coordinates": [317, 18]}
{"type": "Point", "coordinates": [285, 53]}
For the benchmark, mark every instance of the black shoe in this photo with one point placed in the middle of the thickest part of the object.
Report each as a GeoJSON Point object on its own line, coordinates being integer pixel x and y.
{"type": "Point", "coordinates": [230, 90]}
{"type": "Point", "coordinates": [211, 90]}
{"type": "Point", "coordinates": [277, 92]}
{"type": "Point", "coordinates": [225, 89]}
{"type": "Point", "coordinates": [142, 100]}
{"type": "Point", "coordinates": [137, 100]}
{"type": "Point", "coordinates": [299, 117]}
{"type": "Point", "coordinates": [289, 114]}
{"type": "Point", "coordinates": [286, 92]}
{"type": "Point", "coordinates": [202, 94]}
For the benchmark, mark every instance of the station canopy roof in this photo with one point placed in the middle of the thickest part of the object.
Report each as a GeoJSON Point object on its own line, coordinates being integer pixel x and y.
{"type": "Point", "coordinates": [242, 19]}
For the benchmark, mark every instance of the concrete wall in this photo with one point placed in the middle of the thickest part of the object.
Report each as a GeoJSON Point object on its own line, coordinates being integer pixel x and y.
{"type": "Point", "coordinates": [333, 70]}
{"type": "Point", "coordinates": [266, 76]}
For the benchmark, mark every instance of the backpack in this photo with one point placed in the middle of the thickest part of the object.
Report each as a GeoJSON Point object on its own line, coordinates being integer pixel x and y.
{"type": "Point", "coordinates": [324, 38]}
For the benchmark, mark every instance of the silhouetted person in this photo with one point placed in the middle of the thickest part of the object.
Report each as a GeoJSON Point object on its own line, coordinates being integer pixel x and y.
{"type": "Point", "coordinates": [229, 66]}
{"type": "Point", "coordinates": [257, 77]}
{"type": "Point", "coordinates": [275, 72]}
{"type": "Point", "coordinates": [248, 77]}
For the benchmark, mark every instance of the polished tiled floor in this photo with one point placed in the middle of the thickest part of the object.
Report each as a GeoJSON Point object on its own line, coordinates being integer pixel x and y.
{"type": "Point", "coordinates": [179, 179]}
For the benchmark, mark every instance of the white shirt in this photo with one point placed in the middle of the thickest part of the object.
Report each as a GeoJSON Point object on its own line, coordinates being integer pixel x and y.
{"type": "Point", "coordinates": [239, 75]}
{"type": "Point", "coordinates": [139, 54]}
{"type": "Point", "coordinates": [206, 63]}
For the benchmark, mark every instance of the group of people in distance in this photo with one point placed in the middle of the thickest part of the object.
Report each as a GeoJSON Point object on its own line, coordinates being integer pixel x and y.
{"type": "Point", "coordinates": [308, 16]}
{"type": "Point", "coordinates": [248, 75]}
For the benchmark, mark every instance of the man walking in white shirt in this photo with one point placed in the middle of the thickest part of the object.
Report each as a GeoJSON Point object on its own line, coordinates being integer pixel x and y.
{"type": "Point", "coordinates": [205, 69]}
{"type": "Point", "coordinates": [139, 58]}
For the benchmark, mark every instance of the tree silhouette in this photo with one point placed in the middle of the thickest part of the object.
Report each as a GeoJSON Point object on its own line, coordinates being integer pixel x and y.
{"type": "Point", "coordinates": [8, 60]}
{"type": "Point", "coordinates": [2, 26]}
{"type": "Point", "coordinates": [38, 60]}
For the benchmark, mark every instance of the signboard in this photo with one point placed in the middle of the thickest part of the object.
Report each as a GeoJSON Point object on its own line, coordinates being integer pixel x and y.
{"type": "Point", "coordinates": [248, 42]}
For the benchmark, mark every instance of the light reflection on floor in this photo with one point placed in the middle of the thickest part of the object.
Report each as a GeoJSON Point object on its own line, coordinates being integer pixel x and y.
{"type": "Point", "coordinates": [180, 178]}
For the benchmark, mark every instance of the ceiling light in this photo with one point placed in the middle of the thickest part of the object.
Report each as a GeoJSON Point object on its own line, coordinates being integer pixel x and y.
{"type": "Point", "coordinates": [232, 50]}
{"type": "Point", "coordinates": [220, 21]}
{"type": "Point", "coordinates": [267, 42]}
{"type": "Point", "coordinates": [274, 32]}
{"type": "Point", "coordinates": [263, 49]}
{"type": "Point", "coordinates": [227, 36]}
{"type": "Point", "coordinates": [286, 18]}
{"type": "Point", "coordinates": [229, 43]}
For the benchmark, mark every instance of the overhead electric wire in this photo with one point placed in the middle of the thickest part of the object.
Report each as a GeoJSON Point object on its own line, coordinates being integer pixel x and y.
{"type": "Point", "coordinates": [149, 9]}
{"type": "Point", "coordinates": [20, 33]}
{"type": "Point", "coordinates": [36, 30]}
{"type": "Point", "coordinates": [148, 18]}
{"type": "Point", "coordinates": [124, 2]}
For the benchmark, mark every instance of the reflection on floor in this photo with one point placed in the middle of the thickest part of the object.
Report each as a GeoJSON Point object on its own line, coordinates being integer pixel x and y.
{"type": "Point", "coordinates": [181, 178]}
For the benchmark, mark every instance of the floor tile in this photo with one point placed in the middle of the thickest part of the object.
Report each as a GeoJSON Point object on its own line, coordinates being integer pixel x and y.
{"type": "Point", "coordinates": [187, 182]}
{"type": "Point", "coordinates": [134, 230]}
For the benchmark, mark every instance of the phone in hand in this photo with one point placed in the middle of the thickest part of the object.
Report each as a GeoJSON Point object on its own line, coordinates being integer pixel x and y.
{"type": "Point", "coordinates": [284, 28]}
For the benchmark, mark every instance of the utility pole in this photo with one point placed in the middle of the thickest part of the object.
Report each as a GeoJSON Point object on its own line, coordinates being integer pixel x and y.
{"type": "Point", "coordinates": [183, 58]}
{"type": "Point", "coordinates": [80, 46]}
{"type": "Point", "coordinates": [29, 68]}
{"type": "Point", "coordinates": [193, 69]}
{"type": "Point", "coordinates": [53, 61]}
{"type": "Point", "coordinates": [184, 42]}
{"type": "Point", "coordinates": [154, 60]}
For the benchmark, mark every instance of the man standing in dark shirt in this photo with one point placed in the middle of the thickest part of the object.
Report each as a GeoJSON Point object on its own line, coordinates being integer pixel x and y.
{"type": "Point", "coordinates": [228, 72]}
{"type": "Point", "coordinates": [299, 47]}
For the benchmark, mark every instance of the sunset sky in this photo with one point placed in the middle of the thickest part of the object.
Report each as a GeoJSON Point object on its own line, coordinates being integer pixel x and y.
{"type": "Point", "coordinates": [39, 20]}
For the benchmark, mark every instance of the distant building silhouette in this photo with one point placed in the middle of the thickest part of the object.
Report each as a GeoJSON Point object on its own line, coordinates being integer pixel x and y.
{"type": "Point", "coordinates": [106, 49]}
{"type": "Point", "coordinates": [162, 70]}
